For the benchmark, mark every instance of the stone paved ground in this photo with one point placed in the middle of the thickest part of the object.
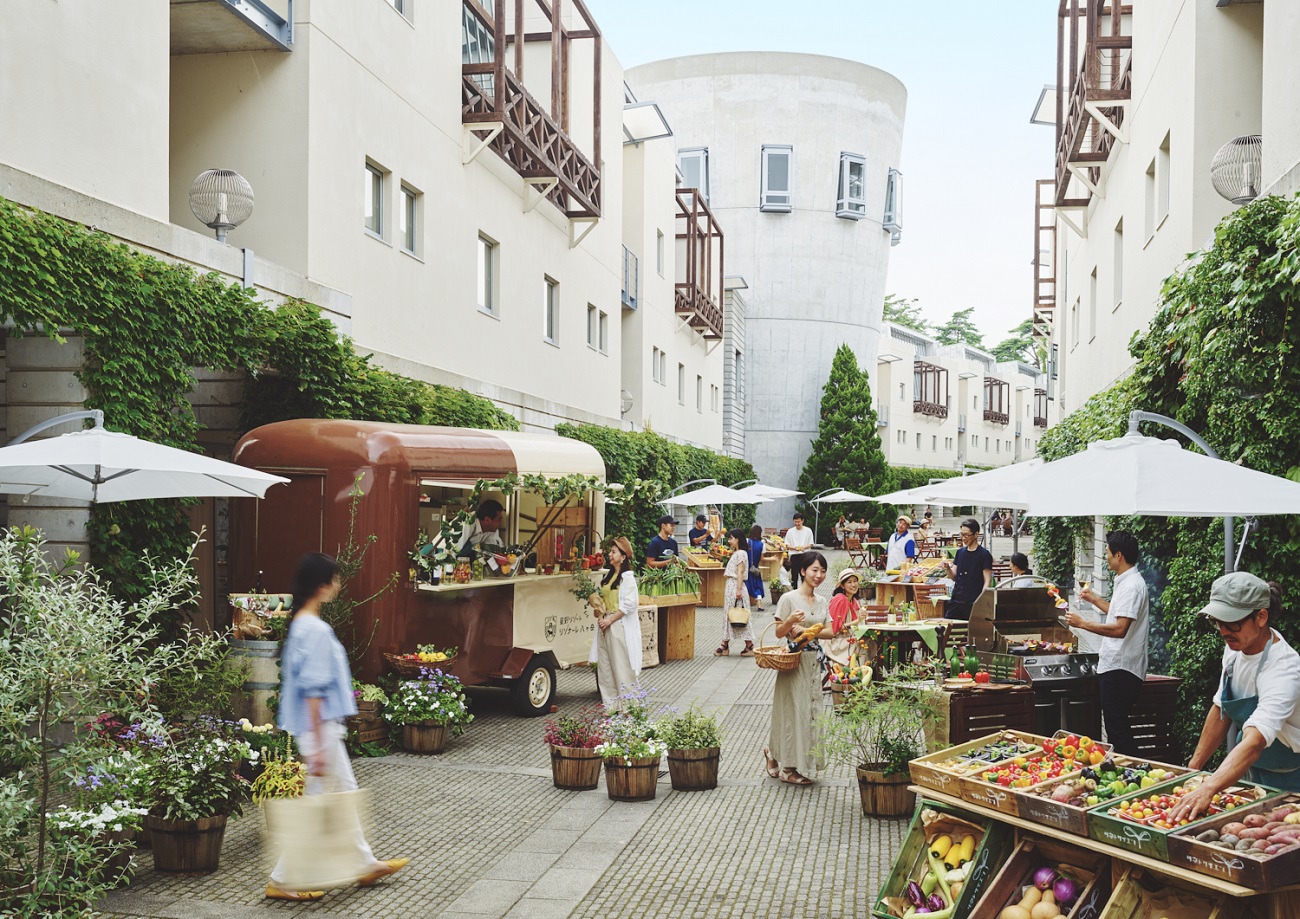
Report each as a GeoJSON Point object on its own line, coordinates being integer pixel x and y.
{"type": "Point", "coordinates": [490, 836]}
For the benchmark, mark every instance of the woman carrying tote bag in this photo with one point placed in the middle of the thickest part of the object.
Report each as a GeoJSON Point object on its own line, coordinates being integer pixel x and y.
{"type": "Point", "coordinates": [736, 622]}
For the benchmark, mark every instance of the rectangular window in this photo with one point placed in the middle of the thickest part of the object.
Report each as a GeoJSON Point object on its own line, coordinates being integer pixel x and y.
{"type": "Point", "coordinates": [681, 384]}
{"type": "Point", "coordinates": [399, 5]}
{"type": "Point", "coordinates": [478, 46]}
{"type": "Point", "coordinates": [1162, 181]}
{"type": "Point", "coordinates": [659, 252]}
{"type": "Point", "coordinates": [1149, 184]}
{"type": "Point", "coordinates": [693, 164]}
{"type": "Point", "coordinates": [1074, 323]}
{"type": "Point", "coordinates": [550, 311]}
{"type": "Point", "coordinates": [591, 326]}
{"type": "Point", "coordinates": [487, 272]}
{"type": "Point", "coordinates": [851, 202]}
{"type": "Point", "coordinates": [699, 393]}
{"type": "Point", "coordinates": [893, 216]}
{"type": "Point", "coordinates": [1117, 292]}
{"type": "Point", "coordinates": [374, 198]}
{"type": "Point", "coordinates": [602, 333]}
{"type": "Point", "coordinates": [656, 365]}
{"type": "Point", "coordinates": [631, 278]}
{"type": "Point", "coordinates": [408, 219]}
{"type": "Point", "coordinates": [777, 167]}
{"type": "Point", "coordinates": [1092, 305]}
{"type": "Point", "coordinates": [918, 441]}
{"type": "Point", "coordinates": [714, 401]}
{"type": "Point", "coordinates": [934, 444]}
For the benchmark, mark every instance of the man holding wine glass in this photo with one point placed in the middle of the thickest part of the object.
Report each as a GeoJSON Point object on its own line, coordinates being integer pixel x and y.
{"type": "Point", "coordinates": [1122, 661]}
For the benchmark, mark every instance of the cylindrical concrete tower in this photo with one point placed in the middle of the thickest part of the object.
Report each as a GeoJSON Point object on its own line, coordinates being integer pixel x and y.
{"type": "Point", "coordinates": [794, 153]}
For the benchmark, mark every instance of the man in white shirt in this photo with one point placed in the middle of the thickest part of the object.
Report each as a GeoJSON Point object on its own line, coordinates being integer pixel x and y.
{"type": "Point", "coordinates": [1254, 708]}
{"type": "Point", "coordinates": [799, 537]}
{"type": "Point", "coordinates": [1122, 664]}
{"type": "Point", "coordinates": [901, 548]}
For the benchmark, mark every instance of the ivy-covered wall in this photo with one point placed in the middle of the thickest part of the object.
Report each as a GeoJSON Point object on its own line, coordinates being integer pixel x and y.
{"type": "Point", "coordinates": [1222, 355]}
{"type": "Point", "coordinates": [146, 323]}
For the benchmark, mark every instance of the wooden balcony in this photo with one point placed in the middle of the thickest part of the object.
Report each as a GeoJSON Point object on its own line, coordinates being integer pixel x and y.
{"type": "Point", "coordinates": [1040, 408]}
{"type": "Point", "coordinates": [933, 409]}
{"type": "Point", "coordinates": [997, 401]}
{"type": "Point", "coordinates": [1095, 65]}
{"type": "Point", "coordinates": [995, 417]}
{"type": "Point", "coordinates": [1044, 309]}
{"type": "Point", "coordinates": [930, 389]}
{"type": "Point", "coordinates": [698, 292]}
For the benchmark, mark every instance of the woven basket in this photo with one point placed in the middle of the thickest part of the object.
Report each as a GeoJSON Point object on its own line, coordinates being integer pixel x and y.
{"type": "Point", "coordinates": [412, 668]}
{"type": "Point", "coordinates": [775, 657]}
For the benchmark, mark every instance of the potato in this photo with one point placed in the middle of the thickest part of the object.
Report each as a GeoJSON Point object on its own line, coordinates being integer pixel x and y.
{"type": "Point", "coordinates": [1232, 829]}
{"type": "Point", "coordinates": [1281, 813]}
{"type": "Point", "coordinates": [1273, 850]}
{"type": "Point", "coordinates": [1244, 845]}
{"type": "Point", "coordinates": [1254, 820]}
{"type": "Point", "coordinates": [1259, 845]}
{"type": "Point", "coordinates": [1229, 839]}
{"type": "Point", "coordinates": [1293, 817]}
{"type": "Point", "coordinates": [1253, 833]}
{"type": "Point", "coordinates": [1208, 836]}
{"type": "Point", "coordinates": [1273, 825]}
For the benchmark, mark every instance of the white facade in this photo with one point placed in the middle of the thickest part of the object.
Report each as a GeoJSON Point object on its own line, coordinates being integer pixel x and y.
{"type": "Point", "coordinates": [950, 406]}
{"type": "Point", "coordinates": [768, 138]}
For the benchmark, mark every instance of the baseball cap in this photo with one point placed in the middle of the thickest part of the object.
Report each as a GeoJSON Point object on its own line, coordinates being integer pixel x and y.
{"type": "Point", "coordinates": [667, 518]}
{"type": "Point", "coordinates": [699, 517]}
{"type": "Point", "coordinates": [1237, 595]}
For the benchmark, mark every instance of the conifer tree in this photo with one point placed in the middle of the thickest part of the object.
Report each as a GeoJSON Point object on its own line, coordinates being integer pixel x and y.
{"type": "Point", "coordinates": [847, 452]}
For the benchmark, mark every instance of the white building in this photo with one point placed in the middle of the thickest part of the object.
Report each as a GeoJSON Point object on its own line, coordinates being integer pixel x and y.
{"type": "Point", "coordinates": [1152, 92]}
{"type": "Point", "coordinates": [950, 406]}
{"type": "Point", "coordinates": [798, 157]}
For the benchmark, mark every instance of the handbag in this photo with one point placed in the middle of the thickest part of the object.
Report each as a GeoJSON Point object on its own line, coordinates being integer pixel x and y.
{"type": "Point", "coordinates": [318, 836]}
{"type": "Point", "coordinates": [739, 612]}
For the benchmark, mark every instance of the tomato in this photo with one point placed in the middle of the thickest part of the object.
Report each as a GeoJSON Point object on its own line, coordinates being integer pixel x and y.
{"type": "Point", "coordinates": [983, 676]}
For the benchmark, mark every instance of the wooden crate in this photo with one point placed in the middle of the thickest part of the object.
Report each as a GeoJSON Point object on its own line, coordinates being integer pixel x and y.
{"type": "Point", "coordinates": [1262, 872]}
{"type": "Point", "coordinates": [925, 770]}
{"type": "Point", "coordinates": [993, 843]}
{"type": "Point", "coordinates": [1152, 719]}
{"type": "Point", "coordinates": [1128, 900]}
{"type": "Point", "coordinates": [1064, 816]}
{"type": "Point", "coordinates": [1092, 870]}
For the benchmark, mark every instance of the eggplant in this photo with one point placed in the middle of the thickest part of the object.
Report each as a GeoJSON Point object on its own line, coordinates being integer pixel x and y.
{"type": "Point", "coordinates": [914, 895]}
{"type": "Point", "coordinates": [935, 903]}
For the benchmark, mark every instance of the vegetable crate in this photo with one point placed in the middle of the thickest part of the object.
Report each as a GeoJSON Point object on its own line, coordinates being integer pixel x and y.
{"type": "Point", "coordinates": [1036, 804]}
{"type": "Point", "coordinates": [1141, 894]}
{"type": "Point", "coordinates": [1090, 871]}
{"type": "Point", "coordinates": [1143, 836]}
{"type": "Point", "coordinates": [1249, 869]}
{"type": "Point", "coordinates": [930, 822]}
{"type": "Point", "coordinates": [979, 790]}
{"type": "Point", "coordinates": [931, 772]}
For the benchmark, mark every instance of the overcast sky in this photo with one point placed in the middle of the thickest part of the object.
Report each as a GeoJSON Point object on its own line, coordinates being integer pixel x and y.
{"type": "Point", "coordinates": [973, 73]}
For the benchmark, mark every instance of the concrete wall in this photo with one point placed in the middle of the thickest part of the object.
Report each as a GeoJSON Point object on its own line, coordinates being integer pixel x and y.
{"type": "Point", "coordinates": [815, 281]}
{"type": "Point", "coordinates": [1281, 115]}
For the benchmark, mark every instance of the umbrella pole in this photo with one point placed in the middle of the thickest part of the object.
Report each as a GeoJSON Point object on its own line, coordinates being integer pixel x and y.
{"type": "Point", "coordinates": [58, 420]}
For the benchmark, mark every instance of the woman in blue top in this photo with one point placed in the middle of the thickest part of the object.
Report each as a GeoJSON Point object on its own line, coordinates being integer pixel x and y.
{"type": "Point", "coordinates": [315, 697]}
{"type": "Point", "coordinates": [754, 581]}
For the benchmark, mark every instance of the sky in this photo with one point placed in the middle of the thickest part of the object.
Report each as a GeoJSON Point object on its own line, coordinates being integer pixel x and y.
{"type": "Point", "coordinates": [973, 74]}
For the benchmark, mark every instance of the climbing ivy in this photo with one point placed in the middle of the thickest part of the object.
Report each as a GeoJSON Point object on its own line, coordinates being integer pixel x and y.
{"type": "Point", "coordinates": [147, 323]}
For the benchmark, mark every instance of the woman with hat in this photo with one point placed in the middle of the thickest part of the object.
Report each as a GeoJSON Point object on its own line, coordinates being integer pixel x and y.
{"type": "Point", "coordinates": [1255, 706]}
{"type": "Point", "coordinates": [844, 608]}
{"type": "Point", "coordinates": [616, 647]}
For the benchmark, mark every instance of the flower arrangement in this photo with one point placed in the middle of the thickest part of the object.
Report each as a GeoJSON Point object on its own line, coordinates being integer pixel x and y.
{"type": "Point", "coordinates": [692, 729]}
{"type": "Point", "coordinates": [629, 732]}
{"type": "Point", "coordinates": [436, 696]}
{"type": "Point", "coordinates": [585, 729]}
{"type": "Point", "coordinates": [194, 772]}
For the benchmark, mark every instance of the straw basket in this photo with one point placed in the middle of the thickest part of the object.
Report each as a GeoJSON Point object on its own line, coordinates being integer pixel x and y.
{"type": "Point", "coordinates": [409, 668]}
{"type": "Point", "coordinates": [775, 657]}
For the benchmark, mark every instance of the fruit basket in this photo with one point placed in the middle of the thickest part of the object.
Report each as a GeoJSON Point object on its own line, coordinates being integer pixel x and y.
{"type": "Point", "coordinates": [426, 657]}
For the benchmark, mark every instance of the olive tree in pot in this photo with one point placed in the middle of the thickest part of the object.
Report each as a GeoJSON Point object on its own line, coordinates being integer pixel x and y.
{"type": "Point", "coordinates": [879, 730]}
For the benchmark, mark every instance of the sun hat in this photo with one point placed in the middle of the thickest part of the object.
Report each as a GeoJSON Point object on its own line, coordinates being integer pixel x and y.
{"type": "Point", "coordinates": [904, 517]}
{"type": "Point", "coordinates": [623, 545]}
{"type": "Point", "coordinates": [1235, 596]}
{"type": "Point", "coordinates": [846, 574]}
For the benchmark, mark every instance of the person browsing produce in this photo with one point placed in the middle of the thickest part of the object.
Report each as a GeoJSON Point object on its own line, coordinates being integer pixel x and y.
{"type": "Point", "coordinates": [971, 573]}
{"type": "Point", "coordinates": [902, 547]}
{"type": "Point", "coordinates": [699, 535]}
{"type": "Point", "coordinates": [663, 544]}
{"type": "Point", "coordinates": [1255, 707]}
{"type": "Point", "coordinates": [1122, 658]}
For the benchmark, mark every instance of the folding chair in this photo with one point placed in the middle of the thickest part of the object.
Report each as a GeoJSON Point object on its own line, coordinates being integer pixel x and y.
{"type": "Point", "coordinates": [857, 555]}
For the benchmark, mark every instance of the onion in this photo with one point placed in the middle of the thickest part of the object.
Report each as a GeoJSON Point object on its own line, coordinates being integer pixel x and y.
{"type": "Point", "coordinates": [1044, 878]}
{"type": "Point", "coordinates": [1065, 890]}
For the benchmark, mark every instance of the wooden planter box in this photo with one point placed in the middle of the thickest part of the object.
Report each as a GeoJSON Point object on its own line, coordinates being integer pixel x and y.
{"type": "Point", "coordinates": [1257, 870]}
{"type": "Point", "coordinates": [926, 771]}
{"type": "Point", "coordinates": [885, 794]}
{"type": "Point", "coordinates": [425, 737]}
{"type": "Point", "coordinates": [1032, 854]}
{"type": "Point", "coordinates": [693, 770]}
{"type": "Point", "coordinates": [367, 725]}
{"type": "Point", "coordinates": [1128, 901]}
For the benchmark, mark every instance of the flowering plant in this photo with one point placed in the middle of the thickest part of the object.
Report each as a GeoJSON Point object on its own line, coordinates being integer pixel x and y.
{"type": "Point", "coordinates": [629, 733]}
{"type": "Point", "coordinates": [435, 696]}
{"type": "Point", "coordinates": [265, 739]}
{"type": "Point", "coordinates": [122, 775]}
{"type": "Point", "coordinates": [194, 773]}
{"type": "Point", "coordinates": [110, 817]}
{"type": "Point", "coordinates": [368, 692]}
{"type": "Point", "coordinates": [281, 777]}
{"type": "Point", "coordinates": [585, 729]}
{"type": "Point", "coordinates": [689, 730]}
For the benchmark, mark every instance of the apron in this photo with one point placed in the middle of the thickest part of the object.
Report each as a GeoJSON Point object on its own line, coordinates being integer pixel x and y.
{"type": "Point", "coordinates": [1278, 766]}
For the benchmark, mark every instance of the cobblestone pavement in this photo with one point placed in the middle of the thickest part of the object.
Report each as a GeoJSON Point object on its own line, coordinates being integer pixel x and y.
{"type": "Point", "coordinates": [490, 836]}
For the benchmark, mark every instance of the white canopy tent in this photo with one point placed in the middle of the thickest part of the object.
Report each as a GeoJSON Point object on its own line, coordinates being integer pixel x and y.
{"type": "Point", "coordinates": [999, 487]}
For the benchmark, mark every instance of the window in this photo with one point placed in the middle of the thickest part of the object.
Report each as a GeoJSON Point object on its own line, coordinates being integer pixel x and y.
{"type": "Point", "coordinates": [893, 217]}
{"type": "Point", "coordinates": [400, 5]}
{"type": "Point", "coordinates": [550, 311]}
{"type": "Point", "coordinates": [918, 441]}
{"type": "Point", "coordinates": [1074, 324]}
{"type": "Point", "coordinates": [591, 326]}
{"type": "Point", "coordinates": [902, 393]}
{"type": "Point", "coordinates": [934, 443]}
{"type": "Point", "coordinates": [487, 270]}
{"type": "Point", "coordinates": [374, 198]}
{"type": "Point", "coordinates": [657, 366]}
{"type": "Point", "coordinates": [1117, 293]}
{"type": "Point", "coordinates": [699, 393]}
{"type": "Point", "coordinates": [693, 164]}
{"type": "Point", "coordinates": [602, 338]}
{"type": "Point", "coordinates": [775, 193]}
{"type": "Point", "coordinates": [681, 384]}
{"type": "Point", "coordinates": [1149, 183]}
{"type": "Point", "coordinates": [477, 46]}
{"type": "Point", "coordinates": [714, 400]}
{"type": "Point", "coordinates": [1162, 182]}
{"type": "Point", "coordinates": [407, 219]}
{"type": "Point", "coordinates": [1092, 305]}
{"type": "Point", "coordinates": [631, 278]}
{"type": "Point", "coordinates": [852, 199]}
{"type": "Point", "coordinates": [659, 252]}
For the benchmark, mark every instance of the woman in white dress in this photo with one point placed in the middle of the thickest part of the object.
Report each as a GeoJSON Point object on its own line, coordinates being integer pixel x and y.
{"type": "Point", "coordinates": [736, 596]}
{"type": "Point", "coordinates": [797, 698]}
{"type": "Point", "coordinates": [616, 647]}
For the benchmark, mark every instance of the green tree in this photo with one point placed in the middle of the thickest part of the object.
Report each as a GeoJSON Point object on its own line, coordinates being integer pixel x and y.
{"type": "Point", "coordinates": [960, 329]}
{"type": "Point", "coordinates": [1020, 345]}
{"type": "Point", "coordinates": [846, 453]}
{"type": "Point", "coordinates": [906, 313]}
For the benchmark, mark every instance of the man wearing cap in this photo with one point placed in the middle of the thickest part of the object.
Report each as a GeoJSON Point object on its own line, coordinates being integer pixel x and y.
{"type": "Point", "coordinates": [798, 537]}
{"type": "Point", "coordinates": [1122, 657]}
{"type": "Point", "coordinates": [699, 535]}
{"type": "Point", "coordinates": [663, 544]}
{"type": "Point", "coordinates": [902, 547]}
{"type": "Point", "coordinates": [1255, 706]}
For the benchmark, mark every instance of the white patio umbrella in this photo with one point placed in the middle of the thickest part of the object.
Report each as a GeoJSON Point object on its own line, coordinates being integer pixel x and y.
{"type": "Point", "coordinates": [768, 491]}
{"type": "Point", "coordinates": [843, 497]}
{"type": "Point", "coordinates": [102, 466]}
{"type": "Point", "coordinates": [1001, 487]}
{"type": "Point", "coordinates": [714, 494]}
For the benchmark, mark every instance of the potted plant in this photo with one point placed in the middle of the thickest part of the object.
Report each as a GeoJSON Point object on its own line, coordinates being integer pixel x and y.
{"type": "Point", "coordinates": [693, 739]}
{"type": "Point", "coordinates": [879, 729]}
{"type": "Point", "coordinates": [575, 764]}
{"type": "Point", "coordinates": [194, 774]}
{"type": "Point", "coordinates": [776, 588]}
{"type": "Point", "coordinates": [281, 777]}
{"type": "Point", "coordinates": [97, 839]}
{"type": "Point", "coordinates": [427, 709]}
{"type": "Point", "coordinates": [366, 728]}
{"type": "Point", "coordinates": [267, 740]}
{"type": "Point", "coordinates": [631, 751]}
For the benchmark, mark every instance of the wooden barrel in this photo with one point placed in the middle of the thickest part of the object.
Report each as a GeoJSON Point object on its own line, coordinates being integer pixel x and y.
{"type": "Point", "coordinates": [425, 737]}
{"type": "Point", "coordinates": [885, 794]}
{"type": "Point", "coordinates": [575, 768]}
{"type": "Point", "coordinates": [187, 846]}
{"type": "Point", "coordinates": [632, 779]}
{"type": "Point", "coordinates": [260, 662]}
{"type": "Point", "coordinates": [693, 770]}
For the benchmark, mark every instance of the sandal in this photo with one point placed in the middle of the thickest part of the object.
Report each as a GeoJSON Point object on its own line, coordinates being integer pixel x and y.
{"type": "Point", "coordinates": [749, 650]}
{"type": "Point", "coordinates": [721, 651]}
{"type": "Point", "coordinates": [791, 777]}
{"type": "Point", "coordinates": [275, 893]}
{"type": "Point", "coordinates": [772, 766]}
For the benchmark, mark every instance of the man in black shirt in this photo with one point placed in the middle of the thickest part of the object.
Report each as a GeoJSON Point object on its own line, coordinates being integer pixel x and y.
{"type": "Point", "coordinates": [699, 534]}
{"type": "Point", "coordinates": [662, 543]}
{"type": "Point", "coordinates": [971, 574]}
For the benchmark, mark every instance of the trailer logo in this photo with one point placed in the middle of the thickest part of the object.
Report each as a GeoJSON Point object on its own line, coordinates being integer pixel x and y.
{"type": "Point", "coordinates": [552, 625]}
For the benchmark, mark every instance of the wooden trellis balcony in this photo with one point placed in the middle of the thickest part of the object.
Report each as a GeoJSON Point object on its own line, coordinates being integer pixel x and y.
{"type": "Point", "coordinates": [997, 401]}
{"type": "Point", "coordinates": [504, 117]}
{"type": "Point", "coordinates": [699, 290]}
{"type": "Point", "coordinates": [1044, 310]}
{"type": "Point", "coordinates": [929, 389]}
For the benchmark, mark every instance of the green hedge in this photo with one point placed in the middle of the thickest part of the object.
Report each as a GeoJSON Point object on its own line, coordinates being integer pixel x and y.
{"type": "Point", "coordinates": [646, 455]}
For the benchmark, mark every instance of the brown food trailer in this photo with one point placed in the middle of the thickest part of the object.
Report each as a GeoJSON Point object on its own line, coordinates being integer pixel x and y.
{"type": "Point", "coordinates": [512, 632]}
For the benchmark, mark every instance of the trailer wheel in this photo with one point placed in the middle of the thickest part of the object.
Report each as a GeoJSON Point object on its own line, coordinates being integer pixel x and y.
{"type": "Point", "coordinates": [535, 690]}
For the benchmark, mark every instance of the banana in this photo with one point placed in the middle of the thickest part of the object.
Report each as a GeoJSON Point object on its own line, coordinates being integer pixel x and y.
{"type": "Point", "coordinates": [941, 846]}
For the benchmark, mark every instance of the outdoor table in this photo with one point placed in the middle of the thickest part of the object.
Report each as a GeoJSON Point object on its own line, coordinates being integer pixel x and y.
{"type": "Point", "coordinates": [932, 634]}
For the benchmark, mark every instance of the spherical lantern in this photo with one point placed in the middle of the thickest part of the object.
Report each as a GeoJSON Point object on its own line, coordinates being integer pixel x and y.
{"type": "Point", "coordinates": [1235, 169]}
{"type": "Point", "coordinates": [221, 199]}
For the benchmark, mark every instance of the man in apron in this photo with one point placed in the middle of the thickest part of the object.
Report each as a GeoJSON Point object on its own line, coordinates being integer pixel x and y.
{"type": "Point", "coordinates": [1255, 708]}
